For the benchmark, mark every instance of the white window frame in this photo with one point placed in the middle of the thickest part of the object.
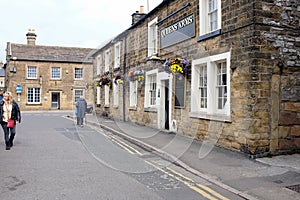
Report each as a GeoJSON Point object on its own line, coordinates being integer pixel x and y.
{"type": "Point", "coordinates": [80, 78]}
{"type": "Point", "coordinates": [147, 102]}
{"type": "Point", "coordinates": [117, 54]}
{"type": "Point", "coordinates": [116, 95]}
{"type": "Point", "coordinates": [36, 95]}
{"type": "Point", "coordinates": [152, 37]}
{"type": "Point", "coordinates": [30, 70]}
{"type": "Point", "coordinates": [106, 96]}
{"type": "Point", "coordinates": [98, 95]}
{"type": "Point", "coordinates": [77, 94]}
{"type": "Point", "coordinates": [212, 111]}
{"type": "Point", "coordinates": [57, 74]}
{"type": "Point", "coordinates": [106, 61]}
{"type": "Point", "coordinates": [204, 19]}
{"type": "Point", "coordinates": [99, 64]}
{"type": "Point", "coordinates": [133, 93]}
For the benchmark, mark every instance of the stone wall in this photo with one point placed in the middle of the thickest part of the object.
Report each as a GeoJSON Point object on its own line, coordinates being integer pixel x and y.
{"type": "Point", "coordinates": [263, 39]}
{"type": "Point", "coordinates": [64, 86]}
{"type": "Point", "coordinates": [283, 36]}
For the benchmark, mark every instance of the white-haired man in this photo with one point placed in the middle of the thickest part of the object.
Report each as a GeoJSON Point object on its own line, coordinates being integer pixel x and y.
{"type": "Point", "coordinates": [81, 107]}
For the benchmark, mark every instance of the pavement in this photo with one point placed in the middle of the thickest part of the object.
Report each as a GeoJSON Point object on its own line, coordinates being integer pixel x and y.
{"type": "Point", "coordinates": [271, 178]}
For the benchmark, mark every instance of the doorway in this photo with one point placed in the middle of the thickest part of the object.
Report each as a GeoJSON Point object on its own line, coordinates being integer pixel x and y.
{"type": "Point", "coordinates": [55, 100]}
{"type": "Point", "coordinates": [166, 102]}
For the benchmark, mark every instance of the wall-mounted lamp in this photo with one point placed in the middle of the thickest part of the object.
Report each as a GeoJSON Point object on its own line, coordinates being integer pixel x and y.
{"type": "Point", "coordinates": [14, 68]}
{"type": "Point", "coordinates": [41, 79]}
{"type": "Point", "coordinates": [281, 66]}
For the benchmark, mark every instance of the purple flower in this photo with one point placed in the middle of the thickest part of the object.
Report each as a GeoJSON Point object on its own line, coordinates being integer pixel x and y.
{"type": "Point", "coordinates": [184, 62]}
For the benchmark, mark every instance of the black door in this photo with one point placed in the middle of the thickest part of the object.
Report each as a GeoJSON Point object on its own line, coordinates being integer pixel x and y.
{"type": "Point", "coordinates": [167, 105]}
{"type": "Point", "coordinates": [55, 100]}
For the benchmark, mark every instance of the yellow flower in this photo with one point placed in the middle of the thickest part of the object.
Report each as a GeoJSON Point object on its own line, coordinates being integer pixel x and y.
{"type": "Point", "coordinates": [141, 78]}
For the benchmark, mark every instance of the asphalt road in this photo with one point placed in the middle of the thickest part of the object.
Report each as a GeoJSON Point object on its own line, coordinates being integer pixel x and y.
{"type": "Point", "coordinates": [54, 159]}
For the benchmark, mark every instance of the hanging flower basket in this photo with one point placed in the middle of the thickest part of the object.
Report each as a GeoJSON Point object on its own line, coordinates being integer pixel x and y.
{"type": "Point", "coordinates": [138, 75]}
{"type": "Point", "coordinates": [105, 81]}
{"type": "Point", "coordinates": [89, 86]}
{"type": "Point", "coordinates": [177, 65]}
{"type": "Point", "coordinates": [118, 80]}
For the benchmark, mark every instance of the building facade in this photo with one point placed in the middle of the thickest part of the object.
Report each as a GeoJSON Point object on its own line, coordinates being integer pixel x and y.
{"type": "Point", "coordinates": [48, 77]}
{"type": "Point", "coordinates": [226, 72]}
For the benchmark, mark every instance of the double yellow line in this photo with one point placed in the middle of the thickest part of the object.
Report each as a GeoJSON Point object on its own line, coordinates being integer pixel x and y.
{"type": "Point", "coordinates": [197, 187]}
{"type": "Point", "coordinates": [122, 144]}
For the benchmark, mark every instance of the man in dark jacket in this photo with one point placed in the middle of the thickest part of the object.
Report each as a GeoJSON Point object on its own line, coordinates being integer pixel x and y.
{"type": "Point", "coordinates": [81, 107]}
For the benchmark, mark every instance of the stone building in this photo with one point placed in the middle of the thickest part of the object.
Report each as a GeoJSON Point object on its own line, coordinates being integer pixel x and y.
{"type": "Point", "coordinates": [226, 72]}
{"type": "Point", "coordinates": [48, 77]}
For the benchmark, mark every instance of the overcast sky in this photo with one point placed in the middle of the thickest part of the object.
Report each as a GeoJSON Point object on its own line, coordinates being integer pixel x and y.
{"type": "Point", "coordinates": [70, 23]}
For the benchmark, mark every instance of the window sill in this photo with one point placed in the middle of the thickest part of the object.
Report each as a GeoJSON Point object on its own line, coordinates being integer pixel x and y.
{"type": "Point", "coordinates": [133, 108]}
{"type": "Point", "coordinates": [209, 35]}
{"type": "Point", "coordinates": [215, 117]}
{"type": "Point", "coordinates": [106, 106]}
{"type": "Point", "coordinates": [33, 104]}
{"type": "Point", "coordinates": [150, 109]}
{"type": "Point", "coordinates": [116, 107]}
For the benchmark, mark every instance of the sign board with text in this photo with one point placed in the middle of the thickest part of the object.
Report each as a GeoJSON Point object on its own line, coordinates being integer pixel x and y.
{"type": "Point", "coordinates": [178, 32]}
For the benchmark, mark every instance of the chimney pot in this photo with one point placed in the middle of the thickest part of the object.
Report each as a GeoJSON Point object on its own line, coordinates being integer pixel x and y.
{"type": "Point", "coordinates": [142, 9]}
{"type": "Point", "coordinates": [31, 37]}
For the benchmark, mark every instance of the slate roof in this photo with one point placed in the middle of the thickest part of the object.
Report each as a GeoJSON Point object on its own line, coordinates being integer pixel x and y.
{"type": "Point", "coordinates": [51, 53]}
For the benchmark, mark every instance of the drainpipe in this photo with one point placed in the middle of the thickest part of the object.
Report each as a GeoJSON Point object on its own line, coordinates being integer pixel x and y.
{"type": "Point", "coordinates": [124, 75]}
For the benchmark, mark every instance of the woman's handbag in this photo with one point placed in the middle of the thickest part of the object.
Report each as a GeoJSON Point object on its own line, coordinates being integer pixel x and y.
{"type": "Point", "coordinates": [10, 123]}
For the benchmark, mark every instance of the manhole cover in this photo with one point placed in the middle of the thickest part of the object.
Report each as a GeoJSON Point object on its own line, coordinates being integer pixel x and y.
{"type": "Point", "coordinates": [294, 187]}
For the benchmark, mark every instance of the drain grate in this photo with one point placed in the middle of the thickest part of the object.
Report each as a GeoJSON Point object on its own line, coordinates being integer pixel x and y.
{"type": "Point", "coordinates": [294, 187]}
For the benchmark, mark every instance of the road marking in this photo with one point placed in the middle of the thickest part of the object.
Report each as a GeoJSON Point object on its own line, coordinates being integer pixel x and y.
{"type": "Point", "coordinates": [122, 146]}
{"type": "Point", "coordinates": [127, 145]}
{"type": "Point", "coordinates": [199, 188]}
{"type": "Point", "coordinates": [212, 192]}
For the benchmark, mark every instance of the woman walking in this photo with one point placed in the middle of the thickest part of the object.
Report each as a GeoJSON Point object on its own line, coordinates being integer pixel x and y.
{"type": "Point", "coordinates": [9, 109]}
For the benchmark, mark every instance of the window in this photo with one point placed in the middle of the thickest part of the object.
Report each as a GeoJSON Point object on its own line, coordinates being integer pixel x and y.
{"type": "Point", "coordinates": [31, 72]}
{"type": "Point", "coordinates": [150, 88]}
{"type": "Point", "coordinates": [55, 72]}
{"type": "Point", "coordinates": [116, 95]}
{"type": "Point", "coordinates": [210, 17]}
{"type": "Point", "coordinates": [152, 37]}
{"type": "Point", "coordinates": [221, 87]}
{"type": "Point", "coordinates": [78, 73]}
{"type": "Point", "coordinates": [99, 64]}
{"type": "Point", "coordinates": [203, 86]}
{"type": "Point", "coordinates": [77, 94]}
{"type": "Point", "coordinates": [210, 87]}
{"type": "Point", "coordinates": [106, 97]}
{"type": "Point", "coordinates": [98, 96]}
{"type": "Point", "coordinates": [213, 15]}
{"type": "Point", "coordinates": [117, 55]}
{"type": "Point", "coordinates": [133, 93]}
{"type": "Point", "coordinates": [33, 95]}
{"type": "Point", "coordinates": [107, 60]}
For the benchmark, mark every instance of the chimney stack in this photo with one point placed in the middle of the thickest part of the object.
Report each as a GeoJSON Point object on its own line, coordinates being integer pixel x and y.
{"type": "Point", "coordinates": [142, 9]}
{"type": "Point", "coordinates": [138, 15]}
{"type": "Point", "coordinates": [31, 37]}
